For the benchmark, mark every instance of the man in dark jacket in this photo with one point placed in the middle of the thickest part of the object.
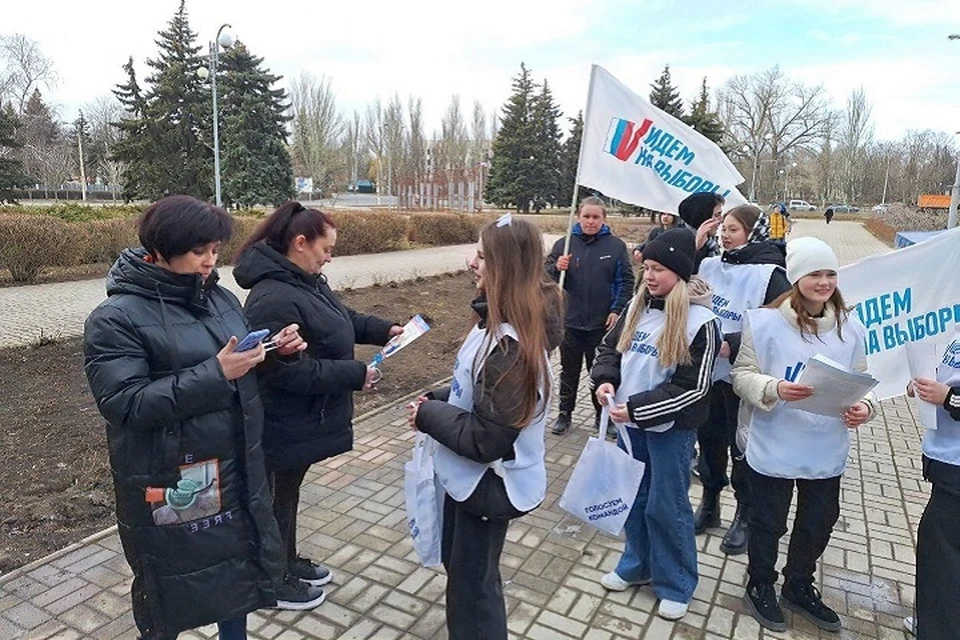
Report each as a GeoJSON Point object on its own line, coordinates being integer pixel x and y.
{"type": "Point", "coordinates": [184, 424]}
{"type": "Point", "coordinates": [598, 285]}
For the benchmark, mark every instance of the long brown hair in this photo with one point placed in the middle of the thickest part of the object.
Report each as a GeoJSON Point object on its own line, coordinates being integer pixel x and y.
{"type": "Point", "coordinates": [807, 322]}
{"type": "Point", "coordinates": [516, 292]}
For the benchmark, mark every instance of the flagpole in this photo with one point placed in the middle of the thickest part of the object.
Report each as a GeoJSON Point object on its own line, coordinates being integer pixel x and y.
{"type": "Point", "coordinates": [576, 181]}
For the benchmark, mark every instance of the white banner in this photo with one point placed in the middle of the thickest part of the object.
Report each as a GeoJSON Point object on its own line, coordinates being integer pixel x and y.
{"type": "Point", "coordinates": [908, 295]}
{"type": "Point", "coordinates": [637, 153]}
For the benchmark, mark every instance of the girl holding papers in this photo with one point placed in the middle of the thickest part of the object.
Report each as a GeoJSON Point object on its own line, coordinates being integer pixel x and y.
{"type": "Point", "coordinates": [490, 422]}
{"type": "Point", "coordinates": [786, 446]}
{"type": "Point", "coordinates": [658, 360]}
{"type": "Point", "coordinates": [938, 538]}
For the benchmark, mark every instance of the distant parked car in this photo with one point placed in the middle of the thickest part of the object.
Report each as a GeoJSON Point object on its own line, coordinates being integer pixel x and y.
{"type": "Point", "coordinates": [843, 208]}
{"type": "Point", "coordinates": [880, 208]}
{"type": "Point", "coordinates": [800, 205]}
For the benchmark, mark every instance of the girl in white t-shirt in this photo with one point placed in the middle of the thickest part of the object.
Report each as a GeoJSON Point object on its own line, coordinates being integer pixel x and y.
{"type": "Point", "coordinates": [787, 446]}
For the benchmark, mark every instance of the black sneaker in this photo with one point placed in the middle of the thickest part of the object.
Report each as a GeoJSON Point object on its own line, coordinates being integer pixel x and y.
{"type": "Point", "coordinates": [294, 594]}
{"type": "Point", "coordinates": [310, 572]}
{"type": "Point", "coordinates": [805, 600]}
{"type": "Point", "coordinates": [761, 600]}
{"type": "Point", "coordinates": [561, 424]}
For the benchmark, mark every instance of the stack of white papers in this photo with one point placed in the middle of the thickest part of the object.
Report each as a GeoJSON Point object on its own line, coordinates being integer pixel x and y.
{"type": "Point", "coordinates": [835, 388]}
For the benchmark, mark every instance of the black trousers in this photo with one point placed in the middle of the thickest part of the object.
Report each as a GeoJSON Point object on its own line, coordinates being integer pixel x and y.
{"type": "Point", "coordinates": [286, 499]}
{"type": "Point", "coordinates": [716, 438]}
{"type": "Point", "coordinates": [470, 550]}
{"type": "Point", "coordinates": [818, 508]}
{"type": "Point", "coordinates": [938, 567]}
{"type": "Point", "coordinates": [578, 346]}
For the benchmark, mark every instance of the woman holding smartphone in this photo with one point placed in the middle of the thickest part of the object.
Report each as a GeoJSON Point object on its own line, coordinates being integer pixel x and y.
{"type": "Point", "coordinates": [184, 424]}
{"type": "Point", "coordinates": [308, 399]}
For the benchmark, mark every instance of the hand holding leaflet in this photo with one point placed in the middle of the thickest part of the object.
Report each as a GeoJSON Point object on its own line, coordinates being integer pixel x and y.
{"type": "Point", "coordinates": [835, 388]}
{"type": "Point", "coordinates": [922, 361]}
{"type": "Point", "coordinates": [415, 328]}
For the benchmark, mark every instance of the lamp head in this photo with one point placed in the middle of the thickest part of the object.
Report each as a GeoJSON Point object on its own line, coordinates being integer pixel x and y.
{"type": "Point", "coordinates": [203, 73]}
{"type": "Point", "coordinates": [225, 40]}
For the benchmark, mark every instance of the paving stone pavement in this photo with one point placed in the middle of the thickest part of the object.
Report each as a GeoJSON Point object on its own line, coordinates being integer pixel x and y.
{"type": "Point", "coordinates": [353, 520]}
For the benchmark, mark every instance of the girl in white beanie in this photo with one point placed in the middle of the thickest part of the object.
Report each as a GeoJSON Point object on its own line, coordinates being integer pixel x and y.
{"type": "Point", "coordinates": [786, 446]}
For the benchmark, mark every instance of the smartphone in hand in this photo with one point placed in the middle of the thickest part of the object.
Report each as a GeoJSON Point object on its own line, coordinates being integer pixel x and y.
{"type": "Point", "coordinates": [252, 340]}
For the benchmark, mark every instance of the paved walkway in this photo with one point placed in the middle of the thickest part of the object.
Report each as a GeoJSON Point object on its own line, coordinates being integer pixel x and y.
{"type": "Point", "coordinates": [353, 520]}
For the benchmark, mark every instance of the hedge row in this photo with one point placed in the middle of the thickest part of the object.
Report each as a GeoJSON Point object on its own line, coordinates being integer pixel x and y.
{"type": "Point", "coordinates": [30, 242]}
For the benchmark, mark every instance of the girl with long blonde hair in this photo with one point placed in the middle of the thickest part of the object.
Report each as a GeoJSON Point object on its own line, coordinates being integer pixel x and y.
{"type": "Point", "coordinates": [489, 424]}
{"type": "Point", "coordinates": [657, 363]}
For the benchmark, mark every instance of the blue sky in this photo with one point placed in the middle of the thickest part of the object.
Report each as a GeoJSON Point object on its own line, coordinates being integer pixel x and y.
{"type": "Point", "coordinates": [897, 51]}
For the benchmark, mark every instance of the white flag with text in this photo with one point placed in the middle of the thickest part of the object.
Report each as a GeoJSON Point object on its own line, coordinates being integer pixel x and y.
{"type": "Point", "coordinates": [637, 153]}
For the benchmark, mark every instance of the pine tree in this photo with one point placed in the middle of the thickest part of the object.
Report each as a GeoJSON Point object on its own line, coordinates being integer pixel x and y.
{"type": "Point", "coordinates": [11, 169]}
{"type": "Point", "coordinates": [81, 130]}
{"type": "Point", "coordinates": [255, 163]}
{"type": "Point", "coordinates": [665, 96]}
{"type": "Point", "coordinates": [512, 180]}
{"type": "Point", "coordinates": [705, 121]}
{"type": "Point", "coordinates": [544, 114]}
{"type": "Point", "coordinates": [172, 118]}
{"type": "Point", "coordinates": [134, 148]}
{"type": "Point", "coordinates": [569, 158]}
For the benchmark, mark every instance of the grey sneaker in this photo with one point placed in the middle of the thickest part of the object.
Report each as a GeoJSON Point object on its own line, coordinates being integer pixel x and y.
{"type": "Point", "coordinates": [294, 594]}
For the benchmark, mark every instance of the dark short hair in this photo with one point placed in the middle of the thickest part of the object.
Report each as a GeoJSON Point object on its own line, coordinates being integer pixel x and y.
{"type": "Point", "coordinates": [174, 225]}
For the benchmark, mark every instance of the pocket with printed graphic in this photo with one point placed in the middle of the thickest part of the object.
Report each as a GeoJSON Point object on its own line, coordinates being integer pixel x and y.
{"type": "Point", "coordinates": [195, 496]}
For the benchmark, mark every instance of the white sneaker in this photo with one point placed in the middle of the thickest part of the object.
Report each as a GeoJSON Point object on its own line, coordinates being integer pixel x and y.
{"type": "Point", "coordinates": [910, 624]}
{"type": "Point", "coordinates": [613, 582]}
{"type": "Point", "coordinates": [670, 610]}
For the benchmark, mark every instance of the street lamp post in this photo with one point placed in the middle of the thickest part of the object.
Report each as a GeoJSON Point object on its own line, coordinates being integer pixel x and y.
{"type": "Point", "coordinates": [954, 199]}
{"type": "Point", "coordinates": [224, 40]}
{"type": "Point", "coordinates": [786, 181]}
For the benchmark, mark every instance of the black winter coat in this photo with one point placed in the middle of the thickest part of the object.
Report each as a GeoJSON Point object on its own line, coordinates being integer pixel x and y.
{"type": "Point", "coordinates": [206, 547]}
{"type": "Point", "coordinates": [308, 400]}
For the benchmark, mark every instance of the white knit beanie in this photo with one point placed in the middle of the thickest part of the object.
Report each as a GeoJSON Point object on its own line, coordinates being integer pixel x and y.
{"type": "Point", "coordinates": [806, 255]}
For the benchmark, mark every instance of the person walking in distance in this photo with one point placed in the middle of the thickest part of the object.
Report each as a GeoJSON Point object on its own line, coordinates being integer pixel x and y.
{"type": "Point", "coordinates": [598, 284]}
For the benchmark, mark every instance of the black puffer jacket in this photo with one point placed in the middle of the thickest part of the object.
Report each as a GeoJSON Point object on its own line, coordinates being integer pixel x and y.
{"type": "Point", "coordinates": [308, 401]}
{"type": "Point", "coordinates": [180, 434]}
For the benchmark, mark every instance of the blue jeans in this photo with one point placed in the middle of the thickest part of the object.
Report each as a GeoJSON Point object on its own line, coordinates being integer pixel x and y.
{"type": "Point", "coordinates": [661, 545]}
{"type": "Point", "coordinates": [233, 629]}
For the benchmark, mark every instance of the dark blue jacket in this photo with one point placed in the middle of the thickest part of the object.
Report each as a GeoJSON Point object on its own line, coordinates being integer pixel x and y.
{"type": "Point", "coordinates": [599, 280]}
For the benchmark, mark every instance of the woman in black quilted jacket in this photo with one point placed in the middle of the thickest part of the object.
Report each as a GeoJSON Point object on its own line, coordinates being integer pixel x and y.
{"type": "Point", "coordinates": [308, 401]}
{"type": "Point", "coordinates": [184, 423]}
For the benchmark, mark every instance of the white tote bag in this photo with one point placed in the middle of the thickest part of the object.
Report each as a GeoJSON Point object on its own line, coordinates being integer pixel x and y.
{"type": "Point", "coordinates": [424, 497]}
{"type": "Point", "coordinates": [604, 484]}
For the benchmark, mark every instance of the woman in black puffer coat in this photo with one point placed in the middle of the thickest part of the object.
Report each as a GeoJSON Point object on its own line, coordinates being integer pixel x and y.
{"type": "Point", "coordinates": [184, 423]}
{"type": "Point", "coordinates": [308, 402]}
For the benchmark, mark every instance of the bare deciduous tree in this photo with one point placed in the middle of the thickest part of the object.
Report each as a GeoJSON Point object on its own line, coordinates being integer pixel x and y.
{"type": "Point", "coordinates": [317, 128]}
{"type": "Point", "coordinates": [771, 114]}
{"type": "Point", "coordinates": [450, 150]}
{"type": "Point", "coordinates": [25, 68]}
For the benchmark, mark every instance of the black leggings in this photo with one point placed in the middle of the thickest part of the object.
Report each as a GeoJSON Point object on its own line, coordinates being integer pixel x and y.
{"type": "Point", "coordinates": [286, 498]}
